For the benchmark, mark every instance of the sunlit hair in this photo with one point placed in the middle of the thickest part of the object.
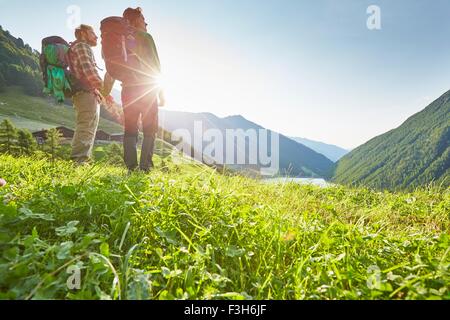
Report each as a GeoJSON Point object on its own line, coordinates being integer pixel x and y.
{"type": "Point", "coordinates": [132, 15]}
{"type": "Point", "coordinates": [81, 30]}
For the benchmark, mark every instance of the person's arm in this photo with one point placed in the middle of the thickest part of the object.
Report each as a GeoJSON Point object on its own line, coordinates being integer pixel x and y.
{"type": "Point", "coordinates": [157, 65]}
{"type": "Point", "coordinates": [109, 104]}
{"type": "Point", "coordinates": [154, 55]}
{"type": "Point", "coordinates": [108, 84]}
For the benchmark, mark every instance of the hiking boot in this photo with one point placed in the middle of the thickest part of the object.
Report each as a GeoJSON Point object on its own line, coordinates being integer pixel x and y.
{"type": "Point", "coordinates": [147, 170]}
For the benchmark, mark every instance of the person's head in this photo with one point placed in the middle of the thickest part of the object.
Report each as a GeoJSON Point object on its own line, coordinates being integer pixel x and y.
{"type": "Point", "coordinates": [135, 18]}
{"type": "Point", "coordinates": [86, 34]}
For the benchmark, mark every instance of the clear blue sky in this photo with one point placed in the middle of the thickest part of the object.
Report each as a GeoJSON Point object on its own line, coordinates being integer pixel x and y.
{"type": "Point", "coordinates": [303, 68]}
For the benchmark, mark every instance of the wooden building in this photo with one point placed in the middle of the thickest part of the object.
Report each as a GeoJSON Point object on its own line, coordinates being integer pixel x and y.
{"type": "Point", "coordinates": [67, 135]}
{"type": "Point", "coordinates": [117, 137]}
{"type": "Point", "coordinates": [102, 136]}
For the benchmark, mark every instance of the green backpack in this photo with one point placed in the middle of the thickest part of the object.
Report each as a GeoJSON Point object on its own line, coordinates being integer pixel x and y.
{"type": "Point", "coordinates": [54, 60]}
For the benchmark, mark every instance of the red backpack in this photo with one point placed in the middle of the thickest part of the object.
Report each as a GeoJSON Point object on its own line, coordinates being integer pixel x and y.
{"type": "Point", "coordinates": [119, 47]}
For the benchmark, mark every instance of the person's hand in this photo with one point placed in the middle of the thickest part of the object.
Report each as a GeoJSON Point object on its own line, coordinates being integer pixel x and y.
{"type": "Point", "coordinates": [110, 100]}
{"type": "Point", "coordinates": [100, 98]}
{"type": "Point", "coordinates": [2, 183]}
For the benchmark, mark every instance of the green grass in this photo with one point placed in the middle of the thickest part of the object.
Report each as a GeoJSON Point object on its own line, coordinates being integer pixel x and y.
{"type": "Point", "coordinates": [185, 231]}
{"type": "Point", "coordinates": [32, 112]}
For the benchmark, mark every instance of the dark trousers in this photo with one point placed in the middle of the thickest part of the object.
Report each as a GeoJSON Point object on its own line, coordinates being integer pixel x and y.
{"type": "Point", "coordinates": [139, 103]}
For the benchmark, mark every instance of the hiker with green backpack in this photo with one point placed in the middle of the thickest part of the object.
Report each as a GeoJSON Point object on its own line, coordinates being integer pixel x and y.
{"type": "Point", "coordinates": [70, 71]}
{"type": "Point", "coordinates": [85, 101]}
{"type": "Point", "coordinates": [131, 57]}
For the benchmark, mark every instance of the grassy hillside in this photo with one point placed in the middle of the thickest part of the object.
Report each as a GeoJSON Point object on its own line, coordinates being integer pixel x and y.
{"type": "Point", "coordinates": [35, 113]}
{"type": "Point", "coordinates": [186, 232]}
{"type": "Point", "coordinates": [19, 65]}
{"type": "Point", "coordinates": [416, 153]}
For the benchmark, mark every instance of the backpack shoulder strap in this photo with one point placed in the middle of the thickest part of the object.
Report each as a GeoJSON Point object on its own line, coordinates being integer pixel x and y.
{"type": "Point", "coordinates": [69, 56]}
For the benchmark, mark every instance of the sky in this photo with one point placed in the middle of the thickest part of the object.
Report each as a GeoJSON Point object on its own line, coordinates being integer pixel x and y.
{"type": "Point", "coordinates": [303, 68]}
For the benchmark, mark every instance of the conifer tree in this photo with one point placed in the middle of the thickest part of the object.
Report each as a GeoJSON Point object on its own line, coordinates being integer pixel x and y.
{"type": "Point", "coordinates": [52, 143]}
{"type": "Point", "coordinates": [8, 137]}
{"type": "Point", "coordinates": [26, 142]}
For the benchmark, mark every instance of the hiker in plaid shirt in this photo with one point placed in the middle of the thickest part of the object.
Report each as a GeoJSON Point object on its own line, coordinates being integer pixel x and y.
{"type": "Point", "coordinates": [86, 101]}
{"type": "Point", "coordinates": [83, 64]}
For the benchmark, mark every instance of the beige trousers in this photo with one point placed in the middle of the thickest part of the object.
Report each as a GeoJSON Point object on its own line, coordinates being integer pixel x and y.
{"type": "Point", "coordinates": [87, 118]}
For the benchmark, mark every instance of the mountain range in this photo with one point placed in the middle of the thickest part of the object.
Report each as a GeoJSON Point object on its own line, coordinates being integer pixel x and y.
{"type": "Point", "coordinates": [332, 152]}
{"type": "Point", "coordinates": [295, 159]}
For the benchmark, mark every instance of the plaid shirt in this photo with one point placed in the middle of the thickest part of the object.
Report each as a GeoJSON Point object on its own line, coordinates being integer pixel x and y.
{"type": "Point", "coordinates": [84, 69]}
{"type": "Point", "coordinates": [83, 65]}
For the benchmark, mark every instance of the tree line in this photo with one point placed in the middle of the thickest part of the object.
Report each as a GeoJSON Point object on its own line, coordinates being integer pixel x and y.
{"type": "Point", "coordinates": [20, 142]}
